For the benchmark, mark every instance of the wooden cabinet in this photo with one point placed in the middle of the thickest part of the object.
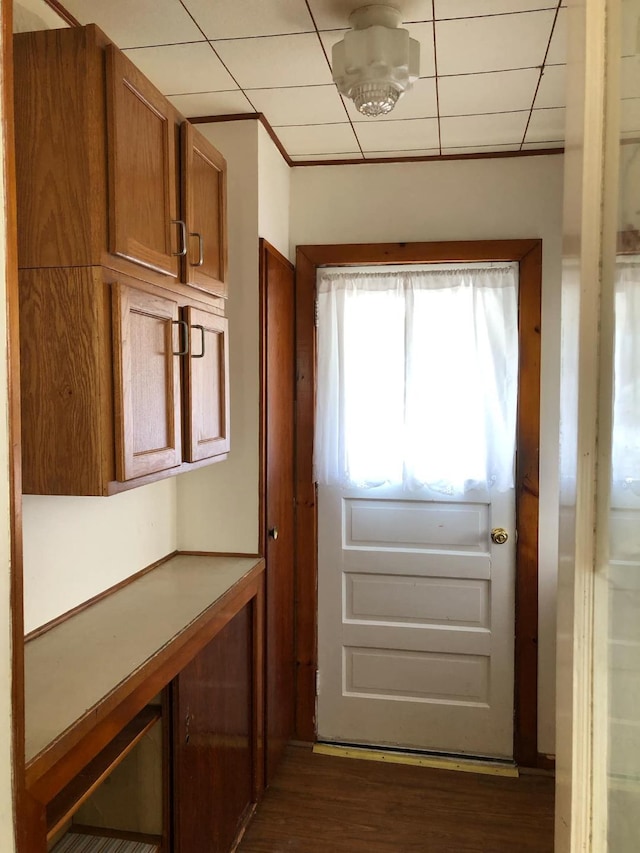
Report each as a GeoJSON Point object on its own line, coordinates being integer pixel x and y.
{"type": "Point", "coordinates": [100, 154]}
{"type": "Point", "coordinates": [204, 193]}
{"type": "Point", "coordinates": [214, 742]}
{"type": "Point", "coordinates": [141, 158]}
{"type": "Point", "coordinates": [146, 382]}
{"type": "Point", "coordinates": [123, 273]}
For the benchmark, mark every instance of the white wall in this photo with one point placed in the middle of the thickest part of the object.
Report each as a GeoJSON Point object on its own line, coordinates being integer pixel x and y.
{"type": "Point", "coordinates": [463, 200]}
{"type": "Point", "coordinates": [75, 548]}
{"type": "Point", "coordinates": [274, 194]}
{"type": "Point", "coordinates": [218, 506]}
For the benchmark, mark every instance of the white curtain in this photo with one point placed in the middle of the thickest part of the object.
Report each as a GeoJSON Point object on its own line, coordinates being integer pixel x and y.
{"type": "Point", "coordinates": [417, 379]}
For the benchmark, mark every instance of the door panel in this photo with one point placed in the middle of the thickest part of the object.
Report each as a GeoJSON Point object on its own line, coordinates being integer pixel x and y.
{"type": "Point", "coordinates": [279, 361]}
{"type": "Point", "coordinates": [207, 385]}
{"type": "Point", "coordinates": [146, 383]}
{"type": "Point", "coordinates": [142, 170]}
{"type": "Point", "coordinates": [204, 204]}
{"type": "Point", "coordinates": [416, 621]}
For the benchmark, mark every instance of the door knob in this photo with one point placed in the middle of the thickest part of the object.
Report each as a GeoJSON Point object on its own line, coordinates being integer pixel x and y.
{"type": "Point", "coordinates": [499, 535]}
{"type": "Point", "coordinates": [273, 532]}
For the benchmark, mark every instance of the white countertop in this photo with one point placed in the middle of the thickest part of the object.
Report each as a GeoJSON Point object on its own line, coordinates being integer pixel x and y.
{"type": "Point", "coordinates": [73, 666]}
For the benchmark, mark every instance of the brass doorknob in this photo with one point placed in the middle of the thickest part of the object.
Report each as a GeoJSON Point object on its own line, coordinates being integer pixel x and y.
{"type": "Point", "coordinates": [499, 535]}
{"type": "Point", "coordinates": [273, 532]}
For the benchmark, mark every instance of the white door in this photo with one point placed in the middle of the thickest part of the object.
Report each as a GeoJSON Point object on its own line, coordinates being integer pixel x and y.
{"type": "Point", "coordinates": [416, 621]}
{"type": "Point", "coordinates": [415, 601]}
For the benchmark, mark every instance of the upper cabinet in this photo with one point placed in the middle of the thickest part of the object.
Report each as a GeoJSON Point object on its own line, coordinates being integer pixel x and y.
{"type": "Point", "coordinates": [141, 157]}
{"type": "Point", "coordinates": [204, 194]}
{"type": "Point", "coordinates": [108, 171]}
{"type": "Point", "coordinates": [123, 273]}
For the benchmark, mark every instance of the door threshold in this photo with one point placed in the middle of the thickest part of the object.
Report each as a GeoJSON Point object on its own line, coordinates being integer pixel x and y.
{"type": "Point", "coordinates": [438, 761]}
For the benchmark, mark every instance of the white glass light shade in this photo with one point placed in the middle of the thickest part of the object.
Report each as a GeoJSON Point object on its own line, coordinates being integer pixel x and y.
{"type": "Point", "coordinates": [376, 62]}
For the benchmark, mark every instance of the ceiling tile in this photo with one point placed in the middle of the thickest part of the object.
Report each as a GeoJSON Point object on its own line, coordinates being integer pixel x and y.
{"type": "Point", "coordinates": [546, 125]}
{"type": "Point", "coordinates": [228, 19]}
{"type": "Point", "coordinates": [318, 139]}
{"type": "Point", "coordinates": [481, 149]}
{"type": "Point", "coordinates": [535, 146]}
{"type": "Point", "coordinates": [351, 155]}
{"type": "Point", "coordinates": [423, 33]}
{"type": "Point", "coordinates": [551, 92]}
{"type": "Point", "coordinates": [419, 102]}
{"type": "Point", "coordinates": [558, 48]}
{"type": "Point", "coordinates": [299, 105]}
{"type": "Point", "coordinates": [477, 8]}
{"type": "Point", "coordinates": [498, 91]}
{"type": "Point", "coordinates": [334, 14]}
{"type": "Point", "coordinates": [498, 129]}
{"type": "Point", "coordinates": [145, 22]}
{"type": "Point", "coordinates": [180, 68]}
{"type": "Point", "coordinates": [416, 152]}
{"type": "Point", "coordinates": [398, 135]}
{"type": "Point", "coordinates": [296, 60]}
{"type": "Point", "coordinates": [212, 103]}
{"type": "Point", "coordinates": [497, 43]}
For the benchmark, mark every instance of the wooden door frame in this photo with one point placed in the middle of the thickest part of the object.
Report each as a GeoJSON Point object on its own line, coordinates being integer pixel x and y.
{"type": "Point", "coordinates": [528, 254]}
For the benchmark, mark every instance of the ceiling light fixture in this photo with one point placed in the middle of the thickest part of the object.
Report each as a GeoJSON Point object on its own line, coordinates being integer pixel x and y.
{"type": "Point", "coordinates": [376, 62]}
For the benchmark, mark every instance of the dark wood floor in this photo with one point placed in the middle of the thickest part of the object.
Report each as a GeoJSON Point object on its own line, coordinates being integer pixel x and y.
{"type": "Point", "coordinates": [322, 804]}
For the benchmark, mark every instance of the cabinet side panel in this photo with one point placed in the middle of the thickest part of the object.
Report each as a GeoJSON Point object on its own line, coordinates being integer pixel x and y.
{"type": "Point", "coordinates": [60, 150]}
{"type": "Point", "coordinates": [60, 382]}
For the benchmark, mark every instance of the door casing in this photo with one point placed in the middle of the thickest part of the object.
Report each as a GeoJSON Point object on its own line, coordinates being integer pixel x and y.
{"type": "Point", "coordinates": [528, 254]}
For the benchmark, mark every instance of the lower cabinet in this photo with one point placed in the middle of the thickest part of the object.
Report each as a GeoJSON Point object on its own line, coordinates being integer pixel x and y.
{"type": "Point", "coordinates": [121, 383]}
{"type": "Point", "coordinates": [214, 748]}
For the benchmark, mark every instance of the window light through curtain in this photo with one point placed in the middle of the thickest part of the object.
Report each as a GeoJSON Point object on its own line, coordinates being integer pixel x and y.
{"type": "Point", "coordinates": [417, 378]}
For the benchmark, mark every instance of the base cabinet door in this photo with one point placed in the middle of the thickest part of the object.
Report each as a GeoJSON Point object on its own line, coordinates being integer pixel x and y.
{"type": "Point", "coordinates": [213, 741]}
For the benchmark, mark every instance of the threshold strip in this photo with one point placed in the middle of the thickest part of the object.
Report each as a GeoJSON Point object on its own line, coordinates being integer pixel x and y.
{"type": "Point", "coordinates": [488, 767]}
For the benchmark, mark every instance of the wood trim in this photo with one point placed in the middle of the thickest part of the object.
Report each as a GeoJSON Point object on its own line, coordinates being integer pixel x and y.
{"type": "Point", "coordinates": [28, 819]}
{"type": "Point", "coordinates": [546, 762]}
{"type": "Point", "coordinates": [218, 554]}
{"type": "Point", "coordinates": [64, 13]}
{"type": "Point", "coordinates": [472, 155]}
{"type": "Point", "coordinates": [527, 492]}
{"type": "Point", "coordinates": [258, 686]}
{"type": "Point", "coordinates": [53, 623]}
{"type": "Point", "coordinates": [248, 117]}
{"type": "Point", "coordinates": [55, 766]}
{"type": "Point", "coordinates": [528, 253]}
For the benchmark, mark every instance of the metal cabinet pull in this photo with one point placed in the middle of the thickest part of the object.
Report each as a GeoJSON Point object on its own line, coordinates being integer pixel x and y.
{"type": "Point", "coordinates": [273, 533]}
{"type": "Point", "coordinates": [200, 248]}
{"type": "Point", "coordinates": [183, 238]}
{"type": "Point", "coordinates": [184, 325]}
{"type": "Point", "coordinates": [201, 353]}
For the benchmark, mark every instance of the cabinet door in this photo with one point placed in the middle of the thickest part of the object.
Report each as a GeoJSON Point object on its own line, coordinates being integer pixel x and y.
{"type": "Point", "coordinates": [213, 741]}
{"type": "Point", "coordinates": [204, 179]}
{"type": "Point", "coordinates": [207, 386]}
{"type": "Point", "coordinates": [146, 382]}
{"type": "Point", "coordinates": [143, 217]}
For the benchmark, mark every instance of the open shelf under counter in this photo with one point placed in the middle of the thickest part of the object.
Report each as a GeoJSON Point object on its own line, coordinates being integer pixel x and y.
{"type": "Point", "coordinates": [87, 677]}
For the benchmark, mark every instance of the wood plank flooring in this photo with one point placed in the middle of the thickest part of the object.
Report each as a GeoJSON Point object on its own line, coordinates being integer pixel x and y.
{"type": "Point", "coordinates": [323, 804]}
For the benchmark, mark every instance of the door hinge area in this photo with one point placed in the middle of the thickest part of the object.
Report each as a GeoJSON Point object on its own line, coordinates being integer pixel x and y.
{"type": "Point", "coordinates": [317, 682]}
{"type": "Point", "coordinates": [315, 312]}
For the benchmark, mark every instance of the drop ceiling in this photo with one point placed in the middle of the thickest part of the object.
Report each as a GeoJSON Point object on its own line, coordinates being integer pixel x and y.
{"type": "Point", "coordinates": [492, 71]}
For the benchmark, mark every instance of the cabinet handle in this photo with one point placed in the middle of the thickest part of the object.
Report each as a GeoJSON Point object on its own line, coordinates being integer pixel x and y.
{"type": "Point", "coordinates": [200, 248]}
{"type": "Point", "coordinates": [201, 353]}
{"type": "Point", "coordinates": [183, 237]}
{"type": "Point", "coordinates": [185, 326]}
